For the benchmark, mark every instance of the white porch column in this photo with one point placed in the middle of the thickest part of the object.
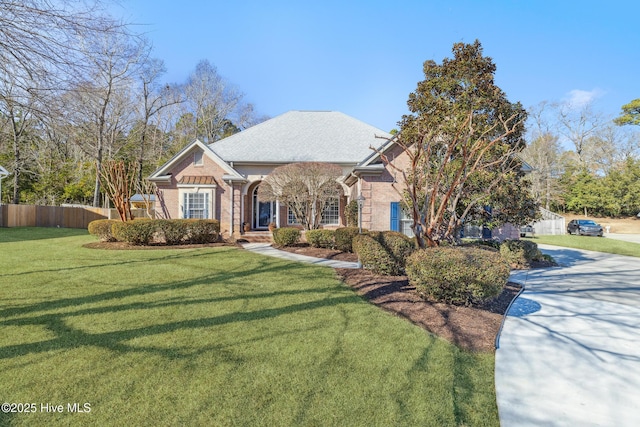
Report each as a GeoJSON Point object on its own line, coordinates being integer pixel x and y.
{"type": "Point", "coordinates": [277, 213]}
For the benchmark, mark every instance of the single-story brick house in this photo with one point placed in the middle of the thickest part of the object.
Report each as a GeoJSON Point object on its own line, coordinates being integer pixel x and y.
{"type": "Point", "coordinates": [221, 180]}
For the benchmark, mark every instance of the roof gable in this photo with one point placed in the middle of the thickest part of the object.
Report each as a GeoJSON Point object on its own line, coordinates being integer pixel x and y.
{"type": "Point", "coordinates": [302, 136]}
{"type": "Point", "coordinates": [167, 167]}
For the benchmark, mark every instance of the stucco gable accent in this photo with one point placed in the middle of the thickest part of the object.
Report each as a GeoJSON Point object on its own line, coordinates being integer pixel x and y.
{"type": "Point", "coordinates": [165, 170]}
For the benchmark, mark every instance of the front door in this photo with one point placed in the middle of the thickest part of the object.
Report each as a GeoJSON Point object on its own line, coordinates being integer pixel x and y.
{"type": "Point", "coordinates": [262, 211]}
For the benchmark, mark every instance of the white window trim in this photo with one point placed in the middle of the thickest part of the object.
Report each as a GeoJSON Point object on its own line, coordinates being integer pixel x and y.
{"type": "Point", "coordinates": [289, 214]}
{"type": "Point", "coordinates": [331, 224]}
{"type": "Point", "coordinates": [338, 218]}
{"type": "Point", "coordinates": [406, 221]}
{"type": "Point", "coordinates": [210, 189]}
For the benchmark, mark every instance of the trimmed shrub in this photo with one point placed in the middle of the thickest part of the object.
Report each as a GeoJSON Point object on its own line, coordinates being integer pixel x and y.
{"type": "Point", "coordinates": [202, 230]}
{"type": "Point", "coordinates": [102, 229]}
{"type": "Point", "coordinates": [321, 238]}
{"type": "Point", "coordinates": [136, 232]}
{"type": "Point", "coordinates": [344, 238]}
{"type": "Point", "coordinates": [520, 253]}
{"type": "Point", "coordinates": [374, 256]}
{"type": "Point", "coordinates": [117, 231]}
{"type": "Point", "coordinates": [398, 245]}
{"type": "Point", "coordinates": [457, 275]}
{"type": "Point", "coordinates": [486, 243]}
{"type": "Point", "coordinates": [286, 236]}
{"type": "Point", "coordinates": [174, 231]}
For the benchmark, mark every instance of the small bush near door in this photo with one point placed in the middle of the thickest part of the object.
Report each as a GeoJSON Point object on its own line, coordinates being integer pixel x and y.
{"type": "Point", "coordinates": [351, 213]}
{"type": "Point", "coordinates": [286, 236]}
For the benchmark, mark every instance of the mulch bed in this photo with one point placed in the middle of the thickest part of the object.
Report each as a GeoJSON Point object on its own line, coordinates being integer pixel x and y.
{"type": "Point", "coordinates": [473, 328]}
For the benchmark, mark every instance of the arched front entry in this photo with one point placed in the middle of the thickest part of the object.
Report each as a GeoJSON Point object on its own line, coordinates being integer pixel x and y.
{"type": "Point", "coordinates": [263, 212]}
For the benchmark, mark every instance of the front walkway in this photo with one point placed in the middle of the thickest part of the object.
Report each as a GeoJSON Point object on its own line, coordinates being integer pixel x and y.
{"type": "Point", "coordinates": [569, 352]}
{"type": "Point", "coordinates": [267, 249]}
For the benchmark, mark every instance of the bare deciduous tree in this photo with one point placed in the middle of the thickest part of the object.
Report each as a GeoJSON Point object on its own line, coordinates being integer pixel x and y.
{"type": "Point", "coordinates": [215, 107]}
{"type": "Point", "coordinates": [543, 154]}
{"type": "Point", "coordinates": [40, 39]}
{"type": "Point", "coordinates": [102, 102]}
{"type": "Point", "coordinates": [579, 125]}
{"type": "Point", "coordinates": [305, 188]}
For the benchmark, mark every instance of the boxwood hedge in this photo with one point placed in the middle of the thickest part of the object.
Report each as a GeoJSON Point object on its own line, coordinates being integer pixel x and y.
{"type": "Point", "coordinates": [321, 238]}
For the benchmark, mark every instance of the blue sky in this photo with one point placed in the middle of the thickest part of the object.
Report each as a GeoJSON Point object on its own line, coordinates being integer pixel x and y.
{"type": "Point", "coordinates": [363, 58]}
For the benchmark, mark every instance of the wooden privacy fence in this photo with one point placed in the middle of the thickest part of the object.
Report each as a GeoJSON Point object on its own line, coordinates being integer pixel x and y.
{"type": "Point", "coordinates": [55, 216]}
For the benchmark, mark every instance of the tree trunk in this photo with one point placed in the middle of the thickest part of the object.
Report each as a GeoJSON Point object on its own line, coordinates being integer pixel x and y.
{"type": "Point", "coordinates": [16, 166]}
{"type": "Point", "coordinates": [96, 190]}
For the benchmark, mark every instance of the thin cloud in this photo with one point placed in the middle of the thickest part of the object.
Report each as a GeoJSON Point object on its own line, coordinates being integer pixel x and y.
{"type": "Point", "coordinates": [578, 98]}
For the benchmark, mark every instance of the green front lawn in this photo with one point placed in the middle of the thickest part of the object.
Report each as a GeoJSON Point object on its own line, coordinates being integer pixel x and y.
{"type": "Point", "coordinates": [214, 336]}
{"type": "Point", "coordinates": [598, 244]}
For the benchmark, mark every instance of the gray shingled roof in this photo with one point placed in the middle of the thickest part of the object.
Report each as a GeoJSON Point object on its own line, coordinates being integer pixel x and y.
{"type": "Point", "coordinates": [299, 136]}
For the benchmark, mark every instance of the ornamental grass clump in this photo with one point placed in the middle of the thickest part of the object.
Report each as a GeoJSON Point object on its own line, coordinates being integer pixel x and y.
{"type": "Point", "coordinates": [457, 275]}
{"type": "Point", "coordinates": [321, 238]}
{"type": "Point", "coordinates": [286, 236]}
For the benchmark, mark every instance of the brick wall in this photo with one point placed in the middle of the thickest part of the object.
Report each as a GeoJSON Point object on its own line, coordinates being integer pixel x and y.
{"type": "Point", "coordinates": [380, 190]}
{"type": "Point", "coordinates": [168, 205]}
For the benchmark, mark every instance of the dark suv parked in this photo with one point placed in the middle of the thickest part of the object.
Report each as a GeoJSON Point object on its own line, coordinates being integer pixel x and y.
{"type": "Point", "coordinates": [584, 227]}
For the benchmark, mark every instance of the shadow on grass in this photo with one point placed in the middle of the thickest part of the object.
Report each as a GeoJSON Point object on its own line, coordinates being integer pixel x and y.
{"type": "Point", "coordinates": [69, 338]}
{"type": "Point", "coordinates": [266, 266]}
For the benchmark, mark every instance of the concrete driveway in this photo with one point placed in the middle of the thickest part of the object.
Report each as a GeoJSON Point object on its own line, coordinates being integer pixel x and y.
{"type": "Point", "coordinates": [633, 238]}
{"type": "Point", "coordinates": [569, 352]}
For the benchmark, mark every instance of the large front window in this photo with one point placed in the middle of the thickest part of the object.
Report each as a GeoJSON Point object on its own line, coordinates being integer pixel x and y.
{"type": "Point", "coordinates": [196, 205]}
{"type": "Point", "coordinates": [331, 213]}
